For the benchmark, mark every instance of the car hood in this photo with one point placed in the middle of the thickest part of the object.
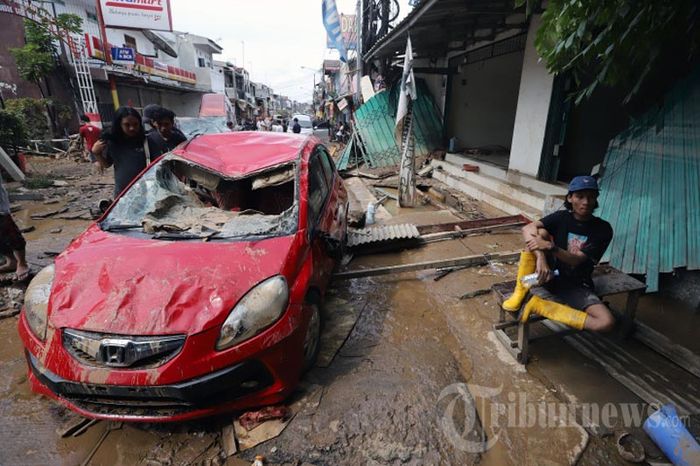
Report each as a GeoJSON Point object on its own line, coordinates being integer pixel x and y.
{"type": "Point", "coordinates": [113, 283]}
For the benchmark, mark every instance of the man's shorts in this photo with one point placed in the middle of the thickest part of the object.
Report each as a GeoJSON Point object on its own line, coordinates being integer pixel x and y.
{"type": "Point", "coordinates": [10, 237]}
{"type": "Point", "coordinates": [578, 297]}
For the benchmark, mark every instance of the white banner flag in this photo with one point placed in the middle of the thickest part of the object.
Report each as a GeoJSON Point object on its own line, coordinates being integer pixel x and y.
{"type": "Point", "coordinates": [408, 87]}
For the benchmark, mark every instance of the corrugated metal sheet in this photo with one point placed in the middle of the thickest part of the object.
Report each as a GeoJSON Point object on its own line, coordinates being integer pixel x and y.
{"type": "Point", "coordinates": [650, 188]}
{"type": "Point", "coordinates": [382, 234]}
{"type": "Point", "coordinates": [375, 120]}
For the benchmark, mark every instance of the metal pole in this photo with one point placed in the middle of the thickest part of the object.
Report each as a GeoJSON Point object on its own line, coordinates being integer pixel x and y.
{"type": "Point", "coordinates": [358, 50]}
{"type": "Point", "coordinates": [108, 55]}
{"type": "Point", "coordinates": [407, 169]}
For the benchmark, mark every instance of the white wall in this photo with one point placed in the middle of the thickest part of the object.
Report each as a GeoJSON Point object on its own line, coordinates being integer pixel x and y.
{"type": "Point", "coordinates": [184, 105]}
{"type": "Point", "coordinates": [483, 100]}
{"type": "Point", "coordinates": [143, 45]}
{"type": "Point", "coordinates": [218, 82]}
{"type": "Point", "coordinates": [533, 108]}
{"type": "Point", "coordinates": [114, 36]}
{"type": "Point", "coordinates": [204, 75]}
{"type": "Point", "coordinates": [436, 82]}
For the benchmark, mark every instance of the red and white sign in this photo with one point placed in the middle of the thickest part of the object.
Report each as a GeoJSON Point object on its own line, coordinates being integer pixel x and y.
{"type": "Point", "coordinates": [137, 14]}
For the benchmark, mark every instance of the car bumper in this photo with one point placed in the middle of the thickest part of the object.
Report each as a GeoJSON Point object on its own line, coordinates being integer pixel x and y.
{"type": "Point", "coordinates": [195, 398]}
{"type": "Point", "coordinates": [258, 372]}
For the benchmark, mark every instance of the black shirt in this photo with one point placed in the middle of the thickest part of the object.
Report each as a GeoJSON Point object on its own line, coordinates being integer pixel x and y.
{"type": "Point", "coordinates": [129, 159]}
{"type": "Point", "coordinates": [163, 145]}
{"type": "Point", "coordinates": [591, 237]}
{"type": "Point", "coordinates": [296, 128]}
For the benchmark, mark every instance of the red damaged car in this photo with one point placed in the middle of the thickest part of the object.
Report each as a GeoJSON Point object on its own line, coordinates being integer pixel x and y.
{"type": "Point", "coordinates": [199, 291]}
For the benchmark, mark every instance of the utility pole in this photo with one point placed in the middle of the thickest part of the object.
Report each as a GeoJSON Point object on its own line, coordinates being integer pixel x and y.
{"type": "Point", "coordinates": [108, 55]}
{"type": "Point", "coordinates": [358, 51]}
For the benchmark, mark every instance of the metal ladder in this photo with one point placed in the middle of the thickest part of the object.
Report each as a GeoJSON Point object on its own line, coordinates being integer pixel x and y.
{"type": "Point", "coordinates": [80, 62]}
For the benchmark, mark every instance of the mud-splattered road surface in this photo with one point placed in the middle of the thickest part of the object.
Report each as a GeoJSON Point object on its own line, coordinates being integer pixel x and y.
{"type": "Point", "coordinates": [391, 394]}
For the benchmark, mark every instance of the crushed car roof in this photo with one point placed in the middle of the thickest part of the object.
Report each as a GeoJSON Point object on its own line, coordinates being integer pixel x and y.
{"type": "Point", "coordinates": [238, 153]}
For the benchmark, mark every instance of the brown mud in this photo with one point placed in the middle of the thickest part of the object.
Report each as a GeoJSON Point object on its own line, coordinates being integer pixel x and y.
{"type": "Point", "coordinates": [391, 395]}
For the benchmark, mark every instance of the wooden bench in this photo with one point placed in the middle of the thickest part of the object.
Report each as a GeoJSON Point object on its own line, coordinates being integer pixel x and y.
{"type": "Point", "coordinates": [608, 281]}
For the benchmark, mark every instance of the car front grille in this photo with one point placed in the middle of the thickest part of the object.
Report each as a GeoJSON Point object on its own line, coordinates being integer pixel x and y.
{"type": "Point", "coordinates": [119, 351]}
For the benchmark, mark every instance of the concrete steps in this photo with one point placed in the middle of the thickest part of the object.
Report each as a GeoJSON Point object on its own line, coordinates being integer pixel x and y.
{"type": "Point", "coordinates": [511, 193]}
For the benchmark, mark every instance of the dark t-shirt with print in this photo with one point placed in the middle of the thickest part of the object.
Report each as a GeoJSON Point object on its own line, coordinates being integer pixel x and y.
{"type": "Point", "coordinates": [129, 159]}
{"type": "Point", "coordinates": [163, 145]}
{"type": "Point", "coordinates": [592, 237]}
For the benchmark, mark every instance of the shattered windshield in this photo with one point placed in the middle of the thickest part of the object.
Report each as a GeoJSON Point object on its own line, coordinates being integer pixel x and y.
{"type": "Point", "coordinates": [175, 199]}
{"type": "Point", "coordinates": [202, 125]}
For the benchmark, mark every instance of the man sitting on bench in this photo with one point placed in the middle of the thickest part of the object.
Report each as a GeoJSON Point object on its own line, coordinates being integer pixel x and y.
{"type": "Point", "coordinates": [571, 241]}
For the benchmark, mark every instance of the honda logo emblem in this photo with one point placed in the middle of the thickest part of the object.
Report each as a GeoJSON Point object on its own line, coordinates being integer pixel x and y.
{"type": "Point", "coordinates": [115, 353]}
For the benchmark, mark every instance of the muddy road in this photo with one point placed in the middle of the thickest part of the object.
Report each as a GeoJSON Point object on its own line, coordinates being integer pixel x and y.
{"type": "Point", "coordinates": [393, 393]}
{"type": "Point", "coordinates": [376, 400]}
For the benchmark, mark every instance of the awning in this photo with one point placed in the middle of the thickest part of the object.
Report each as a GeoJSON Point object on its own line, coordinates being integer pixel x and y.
{"type": "Point", "coordinates": [441, 26]}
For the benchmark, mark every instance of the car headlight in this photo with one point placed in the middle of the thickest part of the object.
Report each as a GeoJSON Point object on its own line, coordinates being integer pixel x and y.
{"type": "Point", "coordinates": [259, 308]}
{"type": "Point", "coordinates": [36, 301]}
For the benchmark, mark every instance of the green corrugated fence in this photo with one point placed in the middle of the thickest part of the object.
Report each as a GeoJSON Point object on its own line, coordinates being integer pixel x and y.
{"type": "Point", "coordinates": [374, 121]}
{"type": "Point", "coordinates": [650, 188]}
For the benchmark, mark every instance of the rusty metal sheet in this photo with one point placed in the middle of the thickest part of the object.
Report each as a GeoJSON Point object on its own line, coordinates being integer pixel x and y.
{"type": "Point", "coordinates": [381, 234]}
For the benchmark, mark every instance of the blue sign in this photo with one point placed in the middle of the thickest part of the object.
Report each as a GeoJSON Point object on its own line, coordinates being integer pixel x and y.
{"type": "Point", "coordinates": [123, 55]}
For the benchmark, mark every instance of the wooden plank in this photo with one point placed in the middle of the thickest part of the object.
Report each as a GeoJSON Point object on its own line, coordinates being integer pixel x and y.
{"type": "Point", "coordinates": [10, 167]}
{"type": "Point", "coordinates": [468, 224]}
{"type": "Point", "coordinates": [468, 261]}
{"type": "Point", "coordinates": [445, 235]}
{"type": "Point", "coordinates": [507, 343]}
{"type": "Point", "coordinates": [682, 356]}
{"type": "Point", "coordinates": [607, 281]}
{"type": "Point", "coordinates": [523, 342]}
{"type": "Point", "coordinates": [610, 281]}
{"type": "Point", "coordinates": [621, 365]}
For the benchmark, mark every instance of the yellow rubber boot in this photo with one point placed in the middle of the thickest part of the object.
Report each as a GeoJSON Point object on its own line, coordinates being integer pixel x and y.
{"type": "Point", "coordinates": [526, 266]}
{"type": "Point", "coordinates": [554, 311]}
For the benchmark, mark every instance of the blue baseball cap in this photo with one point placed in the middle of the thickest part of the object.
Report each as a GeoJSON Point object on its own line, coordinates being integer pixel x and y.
{"type": "Point", "coordinates": [581, 183]}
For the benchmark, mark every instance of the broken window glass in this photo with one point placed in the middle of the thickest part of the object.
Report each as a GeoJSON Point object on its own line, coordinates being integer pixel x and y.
{"type": "Point", "coordinates": [176, 199]}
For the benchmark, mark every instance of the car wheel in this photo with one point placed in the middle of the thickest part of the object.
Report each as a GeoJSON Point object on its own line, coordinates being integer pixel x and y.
{"type": "Point", "coordinates": [312, 339]}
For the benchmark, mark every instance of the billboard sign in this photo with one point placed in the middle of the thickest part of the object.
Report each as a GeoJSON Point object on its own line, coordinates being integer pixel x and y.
{"type": "Point", "coordinates": [137, 14]}
{"type": "Point", "coordinates": [348, 31]}
{"type": "Point", "coordinates": [123, 56]}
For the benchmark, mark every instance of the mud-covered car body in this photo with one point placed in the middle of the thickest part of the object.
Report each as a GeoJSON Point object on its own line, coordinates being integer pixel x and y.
{"type": "Point", "coordinates": [167, 319]}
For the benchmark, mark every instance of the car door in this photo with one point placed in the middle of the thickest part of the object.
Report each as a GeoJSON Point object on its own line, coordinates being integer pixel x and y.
{"type": "Point", "coordinates": [337, 199]}
{"type": "Point", "coordinates": [319, 218]}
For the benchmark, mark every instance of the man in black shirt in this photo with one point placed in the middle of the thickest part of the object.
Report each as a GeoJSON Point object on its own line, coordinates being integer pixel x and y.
{"type": "Point", "coordinates": [296, 127]}
{"type": "Point", "coordinates": [570, 242]}
{"type": "Point", "coordinates": [165, 136]}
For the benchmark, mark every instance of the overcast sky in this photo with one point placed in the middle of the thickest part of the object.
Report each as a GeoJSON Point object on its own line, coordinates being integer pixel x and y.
{"type": "Point", "coordinates": [280, 37]}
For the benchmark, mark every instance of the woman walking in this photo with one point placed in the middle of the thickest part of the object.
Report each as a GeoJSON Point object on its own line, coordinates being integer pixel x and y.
{"type": "Point", "coordinates": [125, 147]}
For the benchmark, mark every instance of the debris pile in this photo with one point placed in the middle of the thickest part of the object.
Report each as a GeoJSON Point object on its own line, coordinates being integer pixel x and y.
{"type": "Point", "coordinates": [11, 300]}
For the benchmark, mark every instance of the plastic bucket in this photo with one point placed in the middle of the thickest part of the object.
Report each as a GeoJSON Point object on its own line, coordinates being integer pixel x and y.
{"type": "Point", "coordinates": [666, 429]}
